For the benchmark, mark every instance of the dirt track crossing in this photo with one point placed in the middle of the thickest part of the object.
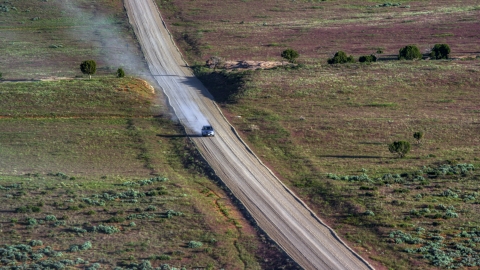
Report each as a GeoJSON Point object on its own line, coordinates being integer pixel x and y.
{"type": "Point", "coordinates": [275, 208]}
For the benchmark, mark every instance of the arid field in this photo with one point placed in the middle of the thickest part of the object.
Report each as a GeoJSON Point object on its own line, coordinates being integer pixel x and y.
{"type": "Point", "coordinates": [88, 160]}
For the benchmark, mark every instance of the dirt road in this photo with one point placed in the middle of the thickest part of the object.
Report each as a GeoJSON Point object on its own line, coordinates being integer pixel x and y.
{"type": "Point", "coordinates": [276, 210]}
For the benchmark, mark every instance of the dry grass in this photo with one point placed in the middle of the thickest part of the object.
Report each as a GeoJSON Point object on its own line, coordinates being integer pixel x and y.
{"type": "Point", "coordinates": [317, 120]}
{"type": "Point", "coordinates": [250, 30]}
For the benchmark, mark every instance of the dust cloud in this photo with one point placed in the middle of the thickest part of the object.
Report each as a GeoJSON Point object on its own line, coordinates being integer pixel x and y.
{"type": "Point", "coordinates": [112, 41]}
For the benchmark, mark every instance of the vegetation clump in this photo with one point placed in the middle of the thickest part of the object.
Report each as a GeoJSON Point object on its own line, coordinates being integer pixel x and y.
{"type": "Point", "coordinates": [194, 244]}
{"type": "Point", "coordinates": [105, 229]}
{"type": "Point", "coordinates": [88, 67]}
{"type": "Point", "coordinates": [290, 55]}
{"type": "Point", "coordinates": [440, 51]}
{"type": "Point", "coordinates": [145, 182]}
{"type": "Point", "coordinates": [367, 58]}
{"type": "Point", "coordinates": [401, 148]}
{"type": "Point", "coordinates": [341, 57]}
{"type": "Point", "coordinates": [120, 73]}
{"type": "Point", "coordinates": [409, 52]}
{"type": "Point", "coordinates": [23, 256]}
{"type": "Point", "coordinates": [418, 136]}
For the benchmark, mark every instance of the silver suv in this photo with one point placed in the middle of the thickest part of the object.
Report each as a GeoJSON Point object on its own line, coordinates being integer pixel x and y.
{"type": "Point", "coordinates": [207, 131]}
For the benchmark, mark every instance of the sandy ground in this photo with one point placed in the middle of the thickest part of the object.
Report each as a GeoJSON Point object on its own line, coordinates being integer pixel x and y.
{"type": "Point", "coordinates": [283, 216]}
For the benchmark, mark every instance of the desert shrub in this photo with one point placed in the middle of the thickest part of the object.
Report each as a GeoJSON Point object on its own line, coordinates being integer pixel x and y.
{"type": "Point", "coordinates": [140, 216]}
{"type": "Point", "coordinates": [28, 209]}
{"type": "Point", "coordinates": [418, 136]}
{"type": "Point", "coordinates": [120, 73]}
{"type": "Point", "coordinates": [105, 229]}
{"type": "Point", "coordinates": [369, 213]}
{"type": "Point", "coordinates": [60, 223]}
{"type": "Point", "coordinates": [401, 148]}
{"type": "Point", "coordinates": [116, 219]}
{"type": "Point", "coordinates": [73, 248]}
{"type": "Point", "coordinates": [194, 244]}
{"type": "Point", "coordinates": [22, 209]}
{"type": "Point", "coordinates": [85, 246]}
{"type": "Point", "coordinates": [367, 58]}
{"type": "Point", "coordinates": [35, 243]}
{"type": "Point", "coordinates": [51, 218]}
{"type": "Point", "coordinates": [93, 202]}
{"type": "Point", "coordinates": [151, 208]}
{"type": "Point", "coordinates": [450, 214]}
{"type": "Point", "coordinates": [78, 230]}
{"type": "Point", "coordinates": [440, 51]}
{"type": "Point", "coordinates": [448, 193]}
{"type": "Point", "coordinates": [164, 257]}
{"type": "Point", "coordinates": [88, 67]}
{"type": "Point", "coordinates": [170, 213]}
{"type": "Point", "coordinates": [341, 57]}
{"type": "Point", "coordinates": [409, 52]}
{"type": "Point", "coordinates": [96, 266]}
{"type": "Point", "coordinates": [290, 55]}
{"type": "Point", "coordinates": [31, 221]}
{"type": "Point", "coordinates": [402, 237]}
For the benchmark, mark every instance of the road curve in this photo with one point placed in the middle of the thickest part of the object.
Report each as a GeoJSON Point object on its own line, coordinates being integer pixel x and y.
{"type": "Point", "coordinates": [284, 217]}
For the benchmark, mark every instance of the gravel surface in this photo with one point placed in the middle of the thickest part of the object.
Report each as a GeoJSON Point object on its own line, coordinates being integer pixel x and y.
{"type": "Point", "coordinates": [283, 216]}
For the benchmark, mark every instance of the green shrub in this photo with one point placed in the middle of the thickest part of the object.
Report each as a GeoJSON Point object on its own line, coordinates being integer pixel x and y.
{"type": "Point", "coordinates": [290, 55]}
{"type": "Point", "coordinates": [194, 244]}
{"type": "Point", "coordinates": [440, 51]}
{"type": "Point", "coordinates": [401, 148]}
{"type": "Point", "coordinates": [418, 136]}
{"type": "Point", "coordinates": [60, 223]}
{"type": "Point", "coordinates": [116, 219]}
{"type": "Point", "coordinates": [164, 257]}
{"type": "Point", "coordinates": [73, 248]}
{"type": "Point", "coordinates": [367, 58]}
{"type": "Point", "coordinates": [88, 67]}
{"type": "Point", "coordinates": [22, 209]}
{"type": "Point", "coordinates": [87, 245]}
{"type": "Point", "coordinates": [170, 213]}
{"type": "Point", "coordinates": [369, 213]}
{"type": "Point", "coordinates": [35, 243]}
{"type": "Point", "coordinates": [120, 73]}
{"type": "Point", "coordinates": [450, 214]}
{"type": "Point", "coordinates": [151, 208]}
{"type": "Point", "coordinates": [78, 230]}
{"type": "Point", "coordinates": [105, 229]}
{"type": "Point", "coordinates": [341, 57]}
{"type": "Point", "coordinates": [28, 209]}
{"type": "Point", "coordinates": [51, 218]}
{"type": "Point", "coordinates": [409, 52]}
{"type": "Point", "coordinates": [31, 221]}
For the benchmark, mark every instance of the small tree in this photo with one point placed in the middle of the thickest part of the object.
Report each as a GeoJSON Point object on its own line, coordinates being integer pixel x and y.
{"type": "Point", "coordinates": [341, 57]}
{"type": "Point", "coordinates": [418, 136]}
{"type": "Point", "coordinates": [1, 76]}
{"type": "Point", "coordinates": [290, 54]}
{"type": "Point", "coordinates": [401, 148]}
{"type": "Point", "coordinates": [88, 67]}
{"type": "Point", "coordinates": [120, 73]}
{"type": "Point", "coordinates": [409, 52]}
{"type": "Point", "coordinates": [367, 58]}
{"type": "Point", "coordinates": [440, 51]}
